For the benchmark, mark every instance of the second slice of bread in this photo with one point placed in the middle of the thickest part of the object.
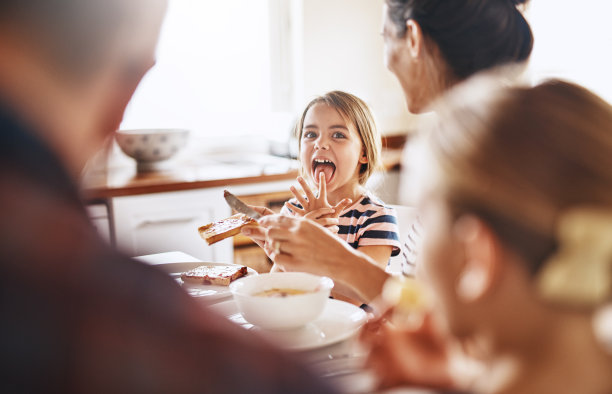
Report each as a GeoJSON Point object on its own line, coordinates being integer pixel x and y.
{"type": "Point", "coordinates": [225, 228]}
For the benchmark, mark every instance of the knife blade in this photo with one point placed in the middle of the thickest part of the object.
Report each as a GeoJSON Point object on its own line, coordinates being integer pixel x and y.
{"type": "Point", "coordinates": [239, 206]}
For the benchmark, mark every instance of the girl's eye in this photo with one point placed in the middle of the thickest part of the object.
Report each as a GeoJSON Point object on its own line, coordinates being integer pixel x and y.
{"type": "Point", "coordinates": [309, 134]}
{"type": "Point", "coordinates": [338, 134]}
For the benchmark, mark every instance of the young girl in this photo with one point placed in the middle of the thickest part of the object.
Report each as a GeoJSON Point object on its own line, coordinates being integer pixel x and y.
{"type": "Point", "coordinates": [339, 149]}
{"type": "Point", "coordinates": [516, 205]}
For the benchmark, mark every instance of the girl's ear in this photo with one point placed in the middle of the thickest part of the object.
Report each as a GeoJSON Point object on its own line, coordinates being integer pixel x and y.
{"type": "Point", "coordinates": [414, 38]}
{"type": "Point", "coordinates": [363, 159]}
{"type": "Point", "coordinates": [482, 259]}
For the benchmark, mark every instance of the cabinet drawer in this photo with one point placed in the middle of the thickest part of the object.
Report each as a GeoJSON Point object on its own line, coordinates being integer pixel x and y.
{"type": "Point", "coordinates": [273, 200]}
{"type": "Point", "coordinates": [163, 222]}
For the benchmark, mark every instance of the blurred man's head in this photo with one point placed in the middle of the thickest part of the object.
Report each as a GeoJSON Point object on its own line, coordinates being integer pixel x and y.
{"type": "Point", "coordinates": [69, 67]}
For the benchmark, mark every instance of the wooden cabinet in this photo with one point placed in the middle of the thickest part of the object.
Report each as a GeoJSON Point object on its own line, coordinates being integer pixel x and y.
{"type": "Point", "coordinates": [163, 222]}
{"type": "Point", "coordinates": [246, 252]}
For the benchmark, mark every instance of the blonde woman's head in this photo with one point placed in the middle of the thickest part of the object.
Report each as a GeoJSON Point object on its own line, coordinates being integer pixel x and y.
{"type": "Point", "coordinates": [520, 157]}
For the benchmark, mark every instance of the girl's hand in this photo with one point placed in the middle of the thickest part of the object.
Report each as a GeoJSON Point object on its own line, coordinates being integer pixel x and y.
{"type": "Point", "coordinates": [409, 356]}
{"type": "Point", "coordinates": [324, 217]}
{"type": "Point", "coordinates": [311, 203]}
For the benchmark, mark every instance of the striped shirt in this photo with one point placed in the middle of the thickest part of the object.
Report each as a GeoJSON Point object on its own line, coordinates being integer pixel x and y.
{"type": "Point", "coordinates": [410, 247]}
{"type": "Point", "coordinates": [367, 222]}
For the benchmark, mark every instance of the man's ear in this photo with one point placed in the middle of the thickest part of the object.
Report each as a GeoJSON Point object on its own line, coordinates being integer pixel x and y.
{"type": "Point", "coordinates": [482, 258]}
{"type": "Point", "coordinates": [414, 37]}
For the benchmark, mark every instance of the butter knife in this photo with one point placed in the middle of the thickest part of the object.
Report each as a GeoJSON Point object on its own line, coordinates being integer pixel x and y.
{"type": "Point", "coordinates": [240, 206]}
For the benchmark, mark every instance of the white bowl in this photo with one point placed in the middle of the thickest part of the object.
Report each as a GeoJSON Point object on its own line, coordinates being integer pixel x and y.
{"type": "Point", "coordinates": [151, 147]}
{"type": "Point", "coordinates": [281, 313]}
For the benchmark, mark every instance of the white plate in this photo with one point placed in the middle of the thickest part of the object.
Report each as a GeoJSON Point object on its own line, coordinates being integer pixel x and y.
{"type": "Point", "coordinates": [339, 321]}
{"type": "Point", "coordinates": [210, 292]}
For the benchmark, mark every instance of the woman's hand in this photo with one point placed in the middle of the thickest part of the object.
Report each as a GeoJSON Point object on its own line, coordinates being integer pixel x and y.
{"type": "Point", "coordinates": [258, 235]}
{"type": "Point", "coordinates": [296, 244]}
{"type": "Point", "coordinates": [416, 356]}
{"type": "Point", "coordinates": [311, 203]}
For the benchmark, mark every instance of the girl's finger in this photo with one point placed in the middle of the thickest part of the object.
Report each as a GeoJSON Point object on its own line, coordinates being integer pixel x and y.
{"type": "Point", "coordinates": [298, 196]}
{"type": "Point", "coordinates": [327, 222]}
{"type": "Point", "coordinates": [317, 213]}
{"type": "Point", "coordinates": [322, 187]}
{"type": "Point", "coordinates": [298, 211]}
{"type": "Point", "coordinates": [307, 190]}
{"type": "Point", "coordinates": [344, 203]}
{"type": "Point", "coordinates": [334, 229]}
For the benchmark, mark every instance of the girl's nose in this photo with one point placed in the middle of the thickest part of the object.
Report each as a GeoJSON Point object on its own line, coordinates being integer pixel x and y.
{"type": "Point", "coordinates": [321, 143]}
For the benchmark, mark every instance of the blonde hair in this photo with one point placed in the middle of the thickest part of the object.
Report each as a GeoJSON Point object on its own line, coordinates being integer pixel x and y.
{"type": "Point", "coordinates": [519, 157]}
{"type": "Point", "coordinates": [356, 112]}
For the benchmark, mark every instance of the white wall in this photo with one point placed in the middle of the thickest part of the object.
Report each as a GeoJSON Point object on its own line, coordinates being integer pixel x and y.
{"type": "Point", "coordinates": [573, 40]}
{"type": "Point", "coordinates": [338, 45]}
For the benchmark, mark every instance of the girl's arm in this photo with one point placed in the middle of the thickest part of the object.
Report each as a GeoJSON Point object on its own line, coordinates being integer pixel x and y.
{"type": "Point", "coordinates": [378, 253]}
{"type": "Point", "coordinates": [379, 235]}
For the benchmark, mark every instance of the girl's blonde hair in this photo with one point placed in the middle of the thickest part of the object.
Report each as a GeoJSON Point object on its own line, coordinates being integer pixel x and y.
{"type": "Point", "coordinates": [520, 157]}
{"type": "Point", "coordinates": [354, 111]}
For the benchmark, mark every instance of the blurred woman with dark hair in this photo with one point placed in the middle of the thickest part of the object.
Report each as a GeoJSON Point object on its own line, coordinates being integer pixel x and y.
{"type": "Point", "coordinates": [430, 45]}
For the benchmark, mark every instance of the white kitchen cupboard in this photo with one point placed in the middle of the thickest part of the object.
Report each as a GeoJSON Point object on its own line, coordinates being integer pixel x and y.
{"type": "Point", "coordinates": [163, 222]}
{"type": "Point", "coordinates": [98, 214]}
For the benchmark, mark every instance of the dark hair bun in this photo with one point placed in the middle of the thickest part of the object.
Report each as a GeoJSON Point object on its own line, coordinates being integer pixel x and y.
{"type": "Point", "coordinates": [472, 35]}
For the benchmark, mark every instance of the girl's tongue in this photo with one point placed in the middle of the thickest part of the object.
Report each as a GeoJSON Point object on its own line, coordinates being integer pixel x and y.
{"type": "Point", "coordinates": [327, 169]}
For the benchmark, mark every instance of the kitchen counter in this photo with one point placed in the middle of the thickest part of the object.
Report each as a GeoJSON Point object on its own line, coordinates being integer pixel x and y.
{"type": "Point", "coordinates": [187, 174]}
{"type": "Point", "coordinates": [197, 173]}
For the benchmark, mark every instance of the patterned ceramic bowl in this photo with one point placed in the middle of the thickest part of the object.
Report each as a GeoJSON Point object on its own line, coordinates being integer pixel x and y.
{"type": "Point", "coordinates": [151, 147]}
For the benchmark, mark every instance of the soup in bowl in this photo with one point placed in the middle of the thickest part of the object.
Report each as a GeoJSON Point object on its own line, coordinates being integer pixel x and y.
{"type": "Point", "coordinates": [281, 300]}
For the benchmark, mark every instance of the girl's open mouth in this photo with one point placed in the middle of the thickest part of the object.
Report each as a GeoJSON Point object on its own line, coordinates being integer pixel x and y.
{"type": "Point", "coordinates": [323, 166]}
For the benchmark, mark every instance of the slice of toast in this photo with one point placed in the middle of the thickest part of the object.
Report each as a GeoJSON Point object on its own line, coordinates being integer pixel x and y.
{"type": "Point", "coordinates": [220, 275]}
{"type": "Point", "coordinates": [215, 232]}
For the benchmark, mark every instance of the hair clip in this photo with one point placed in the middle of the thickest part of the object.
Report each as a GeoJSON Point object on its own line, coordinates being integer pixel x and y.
{"type": "Point", "coordinates": [580, 272]}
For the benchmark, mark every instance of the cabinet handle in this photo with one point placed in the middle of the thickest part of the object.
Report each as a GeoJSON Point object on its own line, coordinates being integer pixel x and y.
{"type": "Point", "coordinates": [165, 220]}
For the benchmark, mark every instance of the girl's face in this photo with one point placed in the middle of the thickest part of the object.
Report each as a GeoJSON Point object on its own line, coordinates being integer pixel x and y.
{"type": "Point", "coordinates": [332, 146]}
